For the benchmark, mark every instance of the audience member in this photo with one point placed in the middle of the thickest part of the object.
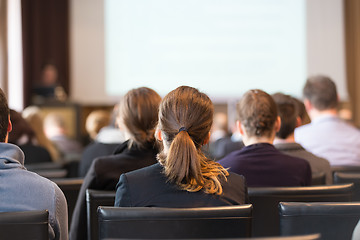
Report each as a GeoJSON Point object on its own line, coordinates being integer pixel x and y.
{"type": "Point", "coordinates": [137, 117]}
{"type": "Point", "coordinates": [56, 130]}
{"type": "Point", "coordinates": [22, 190]}
{"type": "Point", "coordinates": [327, 135]}
{"type": "Point", "coordinates": [34, 117]}
{"type": "Point", "coordinates": [95, 123]}
{"type": "Point", "coordinates": [220, 143]}
{"type": "Point", "coordinates": [184, 177]}
{"type": "Point", "coordinates": [259, 161]}
{"type": "Point", "coordinates": [24, 137]}
{"type": "Point", "coordinates": [284, 139]}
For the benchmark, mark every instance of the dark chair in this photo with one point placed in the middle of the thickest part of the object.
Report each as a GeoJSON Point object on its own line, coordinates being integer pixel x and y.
{"type": "Point", "coordinates": [48, 169]}
{"type": "Point", "coordinates": [94, 199]}
{"type": "Point", "coordinates": [318, 179]}
{"type": "Point", "coordinates": [348, 169]}
{"type": "Point", "coordinates": [332, 220]}
{"type": "Point", "coordinates": [175, 223]}
{"type": "Point", "coordinates": [24, 225]}
{"type": "Point", "coordinates": [70, 188]}
{"type": "Point", "coordinates": [349, 177]}
{"type": "Point", "coordinates": [302, 237]}
{"type": "Point", "coordinates": [266, 199]}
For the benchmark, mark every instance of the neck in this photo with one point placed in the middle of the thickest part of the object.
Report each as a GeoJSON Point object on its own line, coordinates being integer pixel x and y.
{"type": "Point", "coordinates": [289, 139]}
{"type": "Point", "coordinates": [317, 113]}
{"type": "Point", "coordinates": [253, 140]}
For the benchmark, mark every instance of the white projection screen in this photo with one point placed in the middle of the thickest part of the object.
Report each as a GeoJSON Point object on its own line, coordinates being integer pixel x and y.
{"type": "Point", "coordinates": [222, 47]}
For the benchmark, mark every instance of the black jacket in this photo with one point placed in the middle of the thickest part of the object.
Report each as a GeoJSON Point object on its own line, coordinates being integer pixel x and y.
{"type": "Point", "coordinates": [104, 174]}
{"type": "Point", "coordinates": [149, 187]}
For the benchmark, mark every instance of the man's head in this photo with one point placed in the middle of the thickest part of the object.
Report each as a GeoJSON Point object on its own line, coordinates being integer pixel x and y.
{"type": "Point", "coordinates": [5, 125]}
{"type": "Point", "coordinates": [321, 93]}
{"type": "Point", "coordinates": [288, 112]}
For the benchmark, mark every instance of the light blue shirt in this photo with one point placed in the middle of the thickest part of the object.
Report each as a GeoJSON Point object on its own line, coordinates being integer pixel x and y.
{"type": "Point", "coordinates": [331, 138]}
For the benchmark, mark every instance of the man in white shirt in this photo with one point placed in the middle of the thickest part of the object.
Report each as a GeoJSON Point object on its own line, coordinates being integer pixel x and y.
{"type": "Point", "coordinates": [327, 135]}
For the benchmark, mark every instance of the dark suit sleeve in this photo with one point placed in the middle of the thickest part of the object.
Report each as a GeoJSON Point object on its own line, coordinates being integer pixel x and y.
{"type": "Point", "coordinates": [123, 197]}
{"type": "Point", "coordinates": [78, 228]}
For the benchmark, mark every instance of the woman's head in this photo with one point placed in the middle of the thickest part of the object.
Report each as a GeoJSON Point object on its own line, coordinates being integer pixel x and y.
{"type": "Point", "coordinates": [257, 113]}
{"type": "Point", "coordinates": [185, 119]}
{"type": "Point", "coordinates": [138, 115]}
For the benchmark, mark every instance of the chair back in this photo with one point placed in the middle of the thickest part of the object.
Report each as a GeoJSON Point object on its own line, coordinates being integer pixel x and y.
{"type": "Point", "coordinates": [175, 223]}
{"type": "Point", "coordinates": [349, 177]}
{"type": "Point", "coordinates": [94, 199]}
{"type": "Point", "coordinates": [266, 200]}
{"type": "Point", "coordinates": [70, 187]}
{"type": "Point", "coordinates": [318, 178]}
{"type": "Point", "coordinates": [331, 220]}
{"type": "Point", "coordinates": [32, 225]}
{"type": "Point", "coordinates": [302, 237]}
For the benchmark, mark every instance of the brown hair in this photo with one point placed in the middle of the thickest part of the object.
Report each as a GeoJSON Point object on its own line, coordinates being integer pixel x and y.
{"type": "Point", "coordinates": [4, 116]}
{"type": "Point", "coordinates": [288, 112]}
{"type": "Point", "coordinates": [138, 111]}
{"type": "Point", "coordinates": [321, 92]}
{"type": "Point", "coordinates": [257, 112]}
{"type": "Point", "coordinates": [185, 119]}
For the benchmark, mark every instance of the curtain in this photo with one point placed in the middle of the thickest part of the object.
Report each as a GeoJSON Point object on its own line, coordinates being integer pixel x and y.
{"type": "Point", "coordinates": [352, 41]}
{"type": "Point", "coordinates": [3, 45]}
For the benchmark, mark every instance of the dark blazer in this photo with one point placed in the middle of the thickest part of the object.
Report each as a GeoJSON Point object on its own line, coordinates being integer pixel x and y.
{"type": "Point", "coordinates": [104, 174]}
{"type": "Point", "coordinates": [148, 187]}
{"type": "Point", "coordinates": [92, 151]}
{"type": "Point", "coordinates": [264, 166]}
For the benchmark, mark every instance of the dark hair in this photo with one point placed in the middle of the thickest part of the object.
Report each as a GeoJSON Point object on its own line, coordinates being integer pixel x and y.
{"type": "Point", "coordinates": [288, 112]}
{"type": "Point", "coordinates": [138, 111]}
{"type": "Point", "coordinates": [257, 112]}
{"type": "Point", "coordinates": [321, 92]}
{"type": "Point", "coordinates": [302, 113]}
{"type": "Point", "coordinates": [20, 128]}
{"type": "Point", "coordinates": [185, 119]}
{"type": "Point", "coordinates": [4, 116]}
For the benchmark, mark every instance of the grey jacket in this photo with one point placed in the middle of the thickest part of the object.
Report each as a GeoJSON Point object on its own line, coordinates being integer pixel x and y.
{"type": "Point", "coordinates": [22, 190]}
{"type": "Point", "coordinates": [317, 164]}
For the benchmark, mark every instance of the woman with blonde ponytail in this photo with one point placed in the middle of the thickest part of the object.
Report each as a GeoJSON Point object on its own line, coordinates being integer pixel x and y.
{"type": "Point", "coordinates": [184, 177]}
{"type": "Point", "coordinates": [137, 117]}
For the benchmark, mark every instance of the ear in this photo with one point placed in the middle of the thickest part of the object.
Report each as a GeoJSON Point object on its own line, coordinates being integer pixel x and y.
{"type": "Point", "coordinates": [298, 122]}
{"type": "Point", "coordinates": [277, 124]}
{"type": "Point", "coordinates": [158, 135]}
{"type": "Point", "coordinates": [239, 127]}
{"type": "Point", "coordinates": [308, 105]}
{"type": "Point", "coordinates": [207, 139]}
{"type": "Point", "coordinates": [9, 128]}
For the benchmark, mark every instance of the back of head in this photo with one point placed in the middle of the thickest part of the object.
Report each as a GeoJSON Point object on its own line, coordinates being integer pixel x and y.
{"type": "Point", "coordinates": [96, 120]}
{"type": "Point", "coordinates": [4, 116]}
{"type": "Point", "coordinates": [302, 113]}
{"type": "Point", "coordinates": [321, 92]}
{"type": "Point", "coordinates": [22, 132]}
{"type": "Point", "coordinates": [257, 112]}
{"type": "Point", "coordinates": [138, 112]}
{"type": "Point", "coordinates": [220, 122]}
{"type": "Point", "coordinates": [288, 112]}
{"type": "Point", "coordinates": [185, 119]}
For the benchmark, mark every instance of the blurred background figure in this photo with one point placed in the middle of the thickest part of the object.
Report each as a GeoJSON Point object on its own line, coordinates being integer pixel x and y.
{"type": "Point", "coordinates": [105, 137]}
{"type": "Point", "coordinates": [34, 117]}
{"type": "Point", "coordinates": [56, 130]}
{"type": "Point", "coordinates": [48, 87]}
{"type": "Point", "coordinates": [95, 121]}
{"type": "Point", "coordinates": [23, 136]}
{"type": "Point", "coordinates": [221, 143]}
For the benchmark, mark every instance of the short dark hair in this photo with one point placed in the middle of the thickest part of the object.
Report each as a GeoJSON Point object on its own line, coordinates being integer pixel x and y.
{"type": "Point", "coordinates": [4, 116]}
{"type": "Point", "coordinates": [257, 112]}
{"type": "Point", "coordinates": [288, 112]}
{"type": "Point", "coordinates": [321, 92]}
